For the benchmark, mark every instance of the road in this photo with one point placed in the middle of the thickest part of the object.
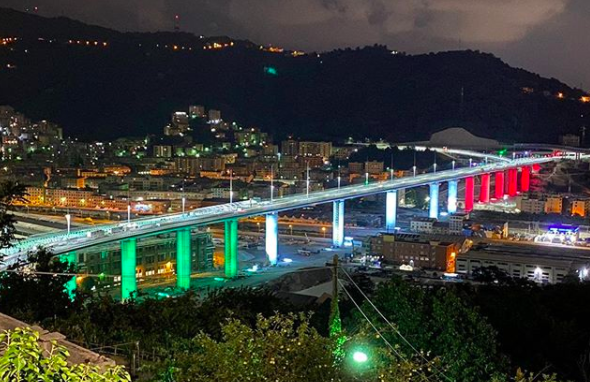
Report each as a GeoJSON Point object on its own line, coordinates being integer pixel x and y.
{"type": "Point", "coordinates": [64, 242]}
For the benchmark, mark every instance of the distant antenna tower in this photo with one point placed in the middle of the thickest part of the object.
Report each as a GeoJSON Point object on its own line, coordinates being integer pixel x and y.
{"type": "Point", "coordinates": [176, 23]}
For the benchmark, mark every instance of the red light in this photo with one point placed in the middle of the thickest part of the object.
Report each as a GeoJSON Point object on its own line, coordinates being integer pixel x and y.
{"type": "Point", "coordinates": [469, 187]}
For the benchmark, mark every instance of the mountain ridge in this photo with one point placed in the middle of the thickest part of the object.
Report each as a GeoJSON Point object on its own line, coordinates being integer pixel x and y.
{"type": "Point", "coordinates": [134, 82]}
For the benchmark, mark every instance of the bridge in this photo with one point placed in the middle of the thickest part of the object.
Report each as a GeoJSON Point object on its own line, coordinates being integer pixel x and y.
{"type": "Point", "coordinates": [66, 243]}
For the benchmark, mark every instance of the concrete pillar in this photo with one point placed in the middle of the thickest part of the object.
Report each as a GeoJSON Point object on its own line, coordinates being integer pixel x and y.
{"type": "Point", "coordinates": [499, 189]}
{"type": "Point", "coordinates": [272, 238]}
{"type": "Point", "coordinates": [183, 258]}
{"type": "Point", "coordinates": [71, 286]}
{"type": "Point", "coordinates": [338, 224]}
{"type": "Point", "coordinates": [390, 210]}
{"type": "Point", "coordinates": [484, 190]}
{"type": "Point", "coordinates": [128, 271]}
{"type": "Point", "coordinates": [525, 178]}
{"type": "Point", "coordinates": [231, 248]}
{"type": "Point", "coordinates": [452, 197]}
{"type": "Point", "coordinates": [469, 193]}
{"type": "Point", "coordinates": [512, 182]}
{"type": "Point", "coordinates": [433, 206]}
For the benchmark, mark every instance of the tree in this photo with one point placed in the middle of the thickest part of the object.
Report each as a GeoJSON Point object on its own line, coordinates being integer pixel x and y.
{"type": "Point", "coordinates": [278, 348]}
{"type": "Point", "coordinates": [34, 290]}
{"type": "Point", "coordinates": [10, 192]}
{"type": "Point", "coordinates": [281, 348]}
{"type": "Point", "coordinates": [23, 359]}
{"type": "Point", "coordinates": [439, 322]}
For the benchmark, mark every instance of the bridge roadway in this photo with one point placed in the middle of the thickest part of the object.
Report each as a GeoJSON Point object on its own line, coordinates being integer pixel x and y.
{"type": "Point", "coordinates": [62, 242]}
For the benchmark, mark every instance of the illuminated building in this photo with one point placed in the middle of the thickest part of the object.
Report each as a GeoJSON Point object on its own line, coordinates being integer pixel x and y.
{"type": "Point", "coordinates": [554, 204]}
{"type": "Point", "coordinates": [416, 251]}
{"type": "Point", "coordinates": [156, 256]}
{"type": "Point", "coordinates": [580, 207]}
{"type": "Point", "coordinates": [214, 116]}
{"type": "Point", "coordinates": [422, 224]}
{"type": "Point", "coordinates": [320, 149]}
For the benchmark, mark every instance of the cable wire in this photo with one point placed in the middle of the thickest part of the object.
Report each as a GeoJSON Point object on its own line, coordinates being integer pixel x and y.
{"type": "Point", "coordinates": [395, 329]}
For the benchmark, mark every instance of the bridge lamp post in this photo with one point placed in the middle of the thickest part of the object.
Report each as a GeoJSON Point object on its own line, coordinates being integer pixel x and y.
{"type": "Point", "coordinates": [291, 228]}
{"type": "Point", "coordinates": [414, 170]}
{"type": "Point", "coordinates": [183, 204]}
{"type": "Point", "coordinates": [324, 231]}
{"type": "Point", "coordinates": [339, 177]}
{"type": "Point", "coordinates": [128, 213]}
{"type": "Point", "coordinates": [272, 184]}
{"type": "Point", "coordinates": [69, 222]}
{"type": "Point", "coordinates": [470, 162]}
{"type": "Point", "coordinates": [434, 166]}
{"type": "Point", "coordinates": [231, 186]}
{"type": "Point", "coordinates": [453, 164]}
{"type": "Point", "coordinates": [307, 181]}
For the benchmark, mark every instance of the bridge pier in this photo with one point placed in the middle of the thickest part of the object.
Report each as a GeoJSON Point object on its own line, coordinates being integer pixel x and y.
{"type": "Point", "coordinates": [71, 286]}
{"type": "Point", "coordinates": [231, 248]}
{"type": "Point", "coordinates": [512, 182]}
{"type": "Point", "coordinates": [338, 224]}
{"type": "Point", "coordinates": [433, 206]}
{"type": "Point", "coordinates": [452, 197]}
{"type": "Point", "coordinates": [183, 258]}
{"type": "Point", "coordinates": [390, 210]}
{"type": "Point", "coordinates": [272, 238]}
{"type": "Point", "coordinates": [484, 190]}
{"type": "Point", "coordinates": [128, 271]}
{"type": "Point", "coordinates": [469, 193]}
{"type": "Point", "coordinates": [525, 179]}
{"type": "Point", "coordinates": [499, 189]}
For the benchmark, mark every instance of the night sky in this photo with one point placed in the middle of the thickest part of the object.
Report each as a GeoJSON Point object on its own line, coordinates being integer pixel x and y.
{"type": "Point", "coordinates": [545, 36]}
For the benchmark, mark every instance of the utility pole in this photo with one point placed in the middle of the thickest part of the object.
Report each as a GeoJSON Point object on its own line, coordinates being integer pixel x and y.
{"type": "Point", "coordinates": [335, 323]}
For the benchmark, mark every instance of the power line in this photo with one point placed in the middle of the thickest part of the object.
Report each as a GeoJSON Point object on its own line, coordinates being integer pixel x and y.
{"type": "Point", "coordinates": [400, 355]}
{"type": "Point", "coordinates": [369, 321]}
{"type": "Point", "coordinates": [396, 330]}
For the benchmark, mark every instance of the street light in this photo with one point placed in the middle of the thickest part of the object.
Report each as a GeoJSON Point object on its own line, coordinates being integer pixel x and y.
{"type": "Point", "coordinates": [453, 163]}
{"type": "Point", "coordinates": [69, 221]}
{"type": "Point", "coordinates": [291, 228]}
{"type": "Point", "coordinates": [307, 182]}
{"type": "Point", "coordinates": [360, 357]}
{"type": "Point", "coordinates": [231, 186]}
{"type": "Point", "coordinates": [324, 231]}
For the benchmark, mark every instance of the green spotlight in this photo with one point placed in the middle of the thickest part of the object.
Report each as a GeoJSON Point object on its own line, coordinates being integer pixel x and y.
{"type": "Point", "coordinates": [360, 357]}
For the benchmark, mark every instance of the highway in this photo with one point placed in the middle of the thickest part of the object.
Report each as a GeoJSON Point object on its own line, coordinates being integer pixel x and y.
{"type": "Point", "coordinates": [62, 242]}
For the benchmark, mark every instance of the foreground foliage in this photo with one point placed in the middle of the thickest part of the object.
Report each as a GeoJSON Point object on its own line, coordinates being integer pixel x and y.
{"type": "Point", "coordinates": [23, 359]}
{"type": "Point", "coordinates": [280, 348]}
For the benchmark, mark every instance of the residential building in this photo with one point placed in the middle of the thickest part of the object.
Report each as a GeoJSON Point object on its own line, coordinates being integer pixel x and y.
{"type": "Point", "coordinates": [290, 147]}
{"type": "Point", "coordinates": [580, 207]}
{"type": "Point", "coordinates": [569, 140]}
{"type": "Point", "coordinates": [418, 252]}
{"type": "Point", "coordinates": [162, 151]}
{"type": "Point", "coordinates": [196, 111]}
{"type": "Point", "coordinates": [554, 204]}
{"type": "Point", "coordinates": [530, 205]}
{"type": "Point", "coordinates": [214, 116]}
{"type": "Point", "coordinates": [315, 149]}
{"type": "Point", "coordinates": [422, 224]}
